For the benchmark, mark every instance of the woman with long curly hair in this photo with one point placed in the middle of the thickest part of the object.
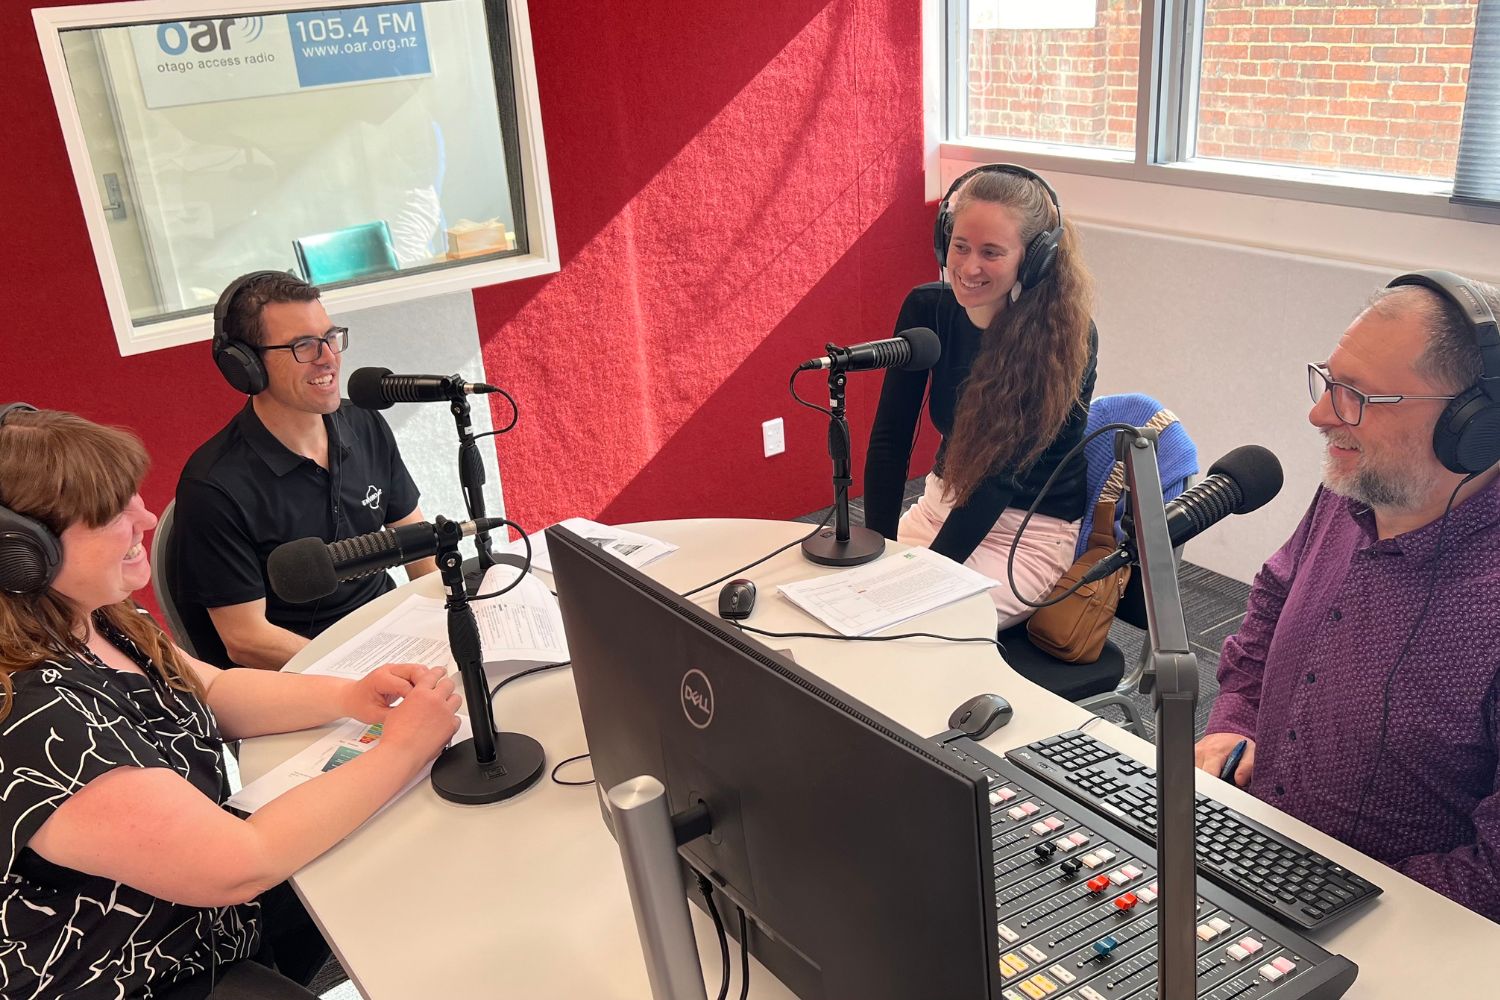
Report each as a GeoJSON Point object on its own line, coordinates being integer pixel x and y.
{"type": "Point", "coordinates": [123, 875]}
{"type": "Point", "coordinates": [1009, 394]}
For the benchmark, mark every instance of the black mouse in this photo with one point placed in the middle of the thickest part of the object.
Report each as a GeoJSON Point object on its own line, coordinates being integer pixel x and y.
{"type": "Point", "coordinates": [981, 715]}
{"type": "Point", "coordinates": [737, 600]}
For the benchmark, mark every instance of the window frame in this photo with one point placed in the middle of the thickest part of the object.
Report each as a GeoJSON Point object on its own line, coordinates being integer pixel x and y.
{"type": "Point", "coordinates": [1165, 108]}
{"type": "Point", "coordinates": [535, 205]}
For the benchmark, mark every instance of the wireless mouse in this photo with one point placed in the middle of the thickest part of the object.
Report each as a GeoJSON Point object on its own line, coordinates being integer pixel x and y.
{"type": "Point", "coordinates": [737, 600]}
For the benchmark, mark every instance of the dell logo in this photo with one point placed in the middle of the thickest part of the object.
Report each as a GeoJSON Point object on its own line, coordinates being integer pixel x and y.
{"type": "Point", "coordinates": [697, 698]}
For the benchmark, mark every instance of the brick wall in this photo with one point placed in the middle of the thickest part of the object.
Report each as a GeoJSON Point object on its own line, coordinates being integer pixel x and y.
{"type": "Point", "coordinates": [1376, 85]}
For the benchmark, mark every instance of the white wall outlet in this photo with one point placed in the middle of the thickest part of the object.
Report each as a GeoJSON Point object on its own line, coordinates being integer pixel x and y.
{"type": "Point", "coordinates": [773, 436]}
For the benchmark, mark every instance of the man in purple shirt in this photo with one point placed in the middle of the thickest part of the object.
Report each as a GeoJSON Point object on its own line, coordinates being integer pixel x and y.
{"type": "Point", "coordinates": [1366, 676]}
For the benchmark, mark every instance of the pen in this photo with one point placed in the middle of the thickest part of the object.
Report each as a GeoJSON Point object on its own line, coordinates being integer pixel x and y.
{"type": "Point", "coordinates": [1233, 761]}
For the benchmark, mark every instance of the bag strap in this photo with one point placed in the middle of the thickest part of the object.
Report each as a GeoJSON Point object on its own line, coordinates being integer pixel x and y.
{"type": "Point", "coordinates": [1114, 486]}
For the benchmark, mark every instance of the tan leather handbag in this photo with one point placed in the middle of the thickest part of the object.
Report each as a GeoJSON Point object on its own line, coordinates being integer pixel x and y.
{"type": "Point", "coordinates": [1074, 630]}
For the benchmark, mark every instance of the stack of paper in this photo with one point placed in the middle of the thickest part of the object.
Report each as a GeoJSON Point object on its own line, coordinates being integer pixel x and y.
{"type": "Point", "coordinates": [634, 548]}
{"type": "Point", "coordinates": [517, 629]}
{"type": "Point", "coordinates": [882, 593]}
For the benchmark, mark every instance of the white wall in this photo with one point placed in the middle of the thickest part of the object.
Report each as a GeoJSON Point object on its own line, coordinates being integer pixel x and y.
{"type": "Point", "coordinates": [1214, 303]}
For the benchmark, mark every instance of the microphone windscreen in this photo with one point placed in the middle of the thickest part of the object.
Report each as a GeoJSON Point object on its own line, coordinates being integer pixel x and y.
{"type": "Point", "coordinates": [925, 348]}
{"type": "Point", "coordinates": [364, 388]}
{"type": "Point", "coordinates": [1255, 470]}
{"type": "Point", "coordinates": [301, 571]}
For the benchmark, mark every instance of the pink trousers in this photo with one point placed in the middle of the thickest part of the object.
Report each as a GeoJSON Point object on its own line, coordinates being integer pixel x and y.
{"type": "Point", "coordinates": [1044, 555]}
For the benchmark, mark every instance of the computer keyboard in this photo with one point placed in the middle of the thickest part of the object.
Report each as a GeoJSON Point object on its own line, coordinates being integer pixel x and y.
{"type": "Point", "coordinates": [1262, 867]}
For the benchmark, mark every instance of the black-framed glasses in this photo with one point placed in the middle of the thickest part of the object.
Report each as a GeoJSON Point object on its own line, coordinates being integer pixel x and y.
{"type": "Point", "coordinates": [1348, 402]}
{"type": "Point", "coordinates": [309, 349]}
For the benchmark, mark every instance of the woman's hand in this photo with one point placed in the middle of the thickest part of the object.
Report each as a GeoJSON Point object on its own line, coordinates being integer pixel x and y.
{"type": "Point", "coordinates": [425, 720]}
{"type": "Point", "coordinates": [369, 699]}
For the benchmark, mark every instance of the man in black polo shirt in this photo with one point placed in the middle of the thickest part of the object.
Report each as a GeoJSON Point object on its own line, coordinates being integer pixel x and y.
{"type": "Point", "coordinates": [296, 462]}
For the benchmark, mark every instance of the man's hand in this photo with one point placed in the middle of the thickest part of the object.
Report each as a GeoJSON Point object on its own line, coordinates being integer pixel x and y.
{"type": "Point", "coordinates": [1213, 750]}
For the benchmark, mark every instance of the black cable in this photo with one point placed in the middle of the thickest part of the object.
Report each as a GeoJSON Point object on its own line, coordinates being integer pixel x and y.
{"type": "Point", "coordinates": [796, 541]}
{"type": "Point", "coordinates": [744, 953]}
{"type": "Point", "coordinates": [515, 415]}
{"type": "Point", "coordinates": [1010, 559]}
{"type": "Point", "coordinates": [1385, 692]}
{"type": "Point", "coordinates": [873, 638]}
{"type": "Point", "coordinates": [526, 673]}
{"type": "Point", "coordinates": [563, 763]}
{"type": "Point", "coordinates": [524, 569]}
{"type": "Point", "coordinates": [713, 911]}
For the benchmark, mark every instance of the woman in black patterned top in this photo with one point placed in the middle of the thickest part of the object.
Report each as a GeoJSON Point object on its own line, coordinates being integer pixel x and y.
{"type": "Point", "coordinates": [122, 874]}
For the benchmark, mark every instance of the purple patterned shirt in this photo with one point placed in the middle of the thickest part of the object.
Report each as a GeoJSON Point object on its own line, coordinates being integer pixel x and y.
{"type": "Point", "coordinates": [1303, 677]}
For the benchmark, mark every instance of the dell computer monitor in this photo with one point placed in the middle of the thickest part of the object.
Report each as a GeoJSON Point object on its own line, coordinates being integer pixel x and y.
{"type": "Point", "coordinates": [860, 851]}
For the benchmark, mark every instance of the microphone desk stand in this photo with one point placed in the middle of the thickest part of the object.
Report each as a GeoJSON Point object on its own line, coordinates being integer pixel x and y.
{"type": "Point", "coordinates": [843, 545]}
{"type": "Point", "coordinates": [490, 766]}
{"type": "Point", "coordinates": [1171, 678]}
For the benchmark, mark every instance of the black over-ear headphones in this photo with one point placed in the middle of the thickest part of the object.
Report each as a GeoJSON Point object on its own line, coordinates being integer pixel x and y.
{"type": "Point", "coordinates": [1040, 258]}
{"type": "Point", "coordinates": [30, 554]}
{"type": "Point", "coordinates": [1467, 436]}
{"type": "Point", "coordinates": [239, 362]}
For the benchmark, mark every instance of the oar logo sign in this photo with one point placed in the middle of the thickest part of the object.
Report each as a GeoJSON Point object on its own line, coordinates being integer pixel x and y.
{"type": "Point", "coordinates": [176, 37]}
{"type": "Point", "coordinates": [697, 698]}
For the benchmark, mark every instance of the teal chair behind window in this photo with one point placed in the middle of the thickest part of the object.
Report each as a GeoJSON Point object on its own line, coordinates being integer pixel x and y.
{"type": "Point", "coordinates": [346, 254]}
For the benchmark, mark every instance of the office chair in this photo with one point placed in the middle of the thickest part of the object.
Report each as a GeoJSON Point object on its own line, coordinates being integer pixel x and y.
{"type": "Point", "coordinates": [1106, 682]}
{"type": "Point", "coordinates": [346, 254]}
{"type": "Point", "coordinates": [162, 571]}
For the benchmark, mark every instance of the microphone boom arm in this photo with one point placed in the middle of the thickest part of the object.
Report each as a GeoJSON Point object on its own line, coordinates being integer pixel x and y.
{"type": "Point", "coordinates": [1171, 678]}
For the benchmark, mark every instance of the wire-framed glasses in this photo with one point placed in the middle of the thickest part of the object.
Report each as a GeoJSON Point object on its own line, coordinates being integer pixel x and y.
{"type": "Point", "coordinates": [309, 349]}
{"type": "Point", "coordinates": [1348, 402]}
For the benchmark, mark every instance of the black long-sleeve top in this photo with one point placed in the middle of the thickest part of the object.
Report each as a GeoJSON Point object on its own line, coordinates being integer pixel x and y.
{"type": "Point", "coordinates": [886, 466]}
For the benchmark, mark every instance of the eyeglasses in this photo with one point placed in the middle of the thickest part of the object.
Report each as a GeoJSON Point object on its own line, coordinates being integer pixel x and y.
{"type": "Point", "coordinates": [309, 349]}
{"type": "Point", "coordinates": [1348, 402]}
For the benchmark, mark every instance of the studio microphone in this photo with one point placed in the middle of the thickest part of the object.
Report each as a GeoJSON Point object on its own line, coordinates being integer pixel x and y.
{"type": "Point", "coordinates": [309, 568]}
{"type": "Point", "coordinates": [377, 388]}
{"type": "Point", "coordinates": [911, 350]}
{"type": "Point", "coordinates": [1246, 479]}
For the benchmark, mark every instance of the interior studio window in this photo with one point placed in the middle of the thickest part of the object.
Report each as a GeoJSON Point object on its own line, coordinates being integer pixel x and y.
{"type": "Point", "coordinates": [383, 151]}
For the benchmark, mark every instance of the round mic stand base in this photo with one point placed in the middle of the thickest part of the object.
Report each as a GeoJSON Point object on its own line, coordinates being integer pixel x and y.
{"type": "Point", "coordinates": [863, 545]}
{"type": "Point", "coordinates": [459, 777]}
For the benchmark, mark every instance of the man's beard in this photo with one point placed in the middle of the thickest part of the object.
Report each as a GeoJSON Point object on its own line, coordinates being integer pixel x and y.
{"type": "Point", "coordinates": [1391, 489]}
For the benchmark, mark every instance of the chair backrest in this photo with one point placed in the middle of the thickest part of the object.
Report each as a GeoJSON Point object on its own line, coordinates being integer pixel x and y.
{"type": "Point", "coordinates": [161, 579]}
{"type": "Point", "coordinates": [346, 254]}
{"type": "Point", "coordinates": [1176, 455]}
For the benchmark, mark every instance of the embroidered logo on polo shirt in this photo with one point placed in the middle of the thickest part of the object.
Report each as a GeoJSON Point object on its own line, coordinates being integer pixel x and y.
{"type": "Point", "coordinates": [372, 498]}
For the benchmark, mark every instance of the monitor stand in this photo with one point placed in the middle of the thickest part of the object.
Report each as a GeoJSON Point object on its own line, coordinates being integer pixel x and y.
{"type": "Point", "coordinates": [644, 829]}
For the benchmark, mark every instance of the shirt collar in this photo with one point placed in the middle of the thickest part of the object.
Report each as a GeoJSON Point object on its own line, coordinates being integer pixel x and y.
{"type": "Point", "coordinates": [1476, 513]}
{"type": "Point", "coordinates": [278, 457]}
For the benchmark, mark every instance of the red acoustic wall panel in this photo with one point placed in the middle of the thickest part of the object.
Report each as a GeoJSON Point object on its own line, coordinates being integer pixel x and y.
{"type": "Point", "coordinates": [735, 185]}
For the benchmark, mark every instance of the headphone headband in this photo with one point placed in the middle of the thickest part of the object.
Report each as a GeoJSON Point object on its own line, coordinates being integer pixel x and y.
{"type": "Point", "coordinates": [1458, 290]}
{"type": "Point", "coordinates": [1467, 435]}
{"type": "Point", "coordinates": [1040, 256]}
{"type": "Point", "coordinates": [9, 408]}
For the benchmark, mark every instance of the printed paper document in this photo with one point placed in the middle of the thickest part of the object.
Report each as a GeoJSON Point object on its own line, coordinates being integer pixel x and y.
{"type": "Point", "coordinates": [882, 593]}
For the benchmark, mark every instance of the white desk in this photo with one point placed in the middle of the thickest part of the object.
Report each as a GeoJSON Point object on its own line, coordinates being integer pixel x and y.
{"type": "Point", "coordinates": [526, 898]}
